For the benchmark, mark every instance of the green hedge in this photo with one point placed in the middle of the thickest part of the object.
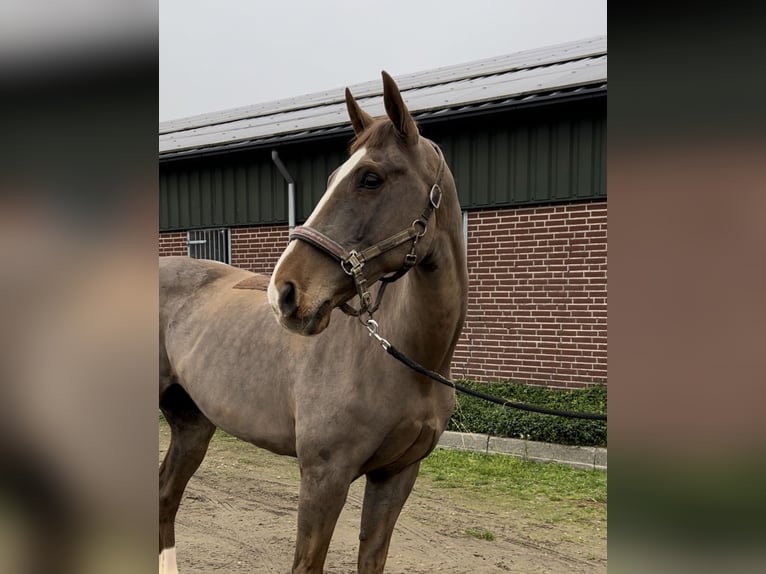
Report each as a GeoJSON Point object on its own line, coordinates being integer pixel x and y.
{"type": "Point", "coordinates": [478, 416]}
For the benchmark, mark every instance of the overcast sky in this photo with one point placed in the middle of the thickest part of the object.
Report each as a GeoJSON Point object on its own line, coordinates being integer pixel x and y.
{"type": "Point", "coordinates": [217, 55]}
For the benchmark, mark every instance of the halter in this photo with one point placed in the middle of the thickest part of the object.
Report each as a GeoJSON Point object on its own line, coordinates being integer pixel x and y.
{"type": "Point", "coordinates": [352, 262]}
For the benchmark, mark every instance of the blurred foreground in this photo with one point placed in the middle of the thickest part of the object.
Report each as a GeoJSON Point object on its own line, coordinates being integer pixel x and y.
{"type": "Point", "coordinates": [78, 288]}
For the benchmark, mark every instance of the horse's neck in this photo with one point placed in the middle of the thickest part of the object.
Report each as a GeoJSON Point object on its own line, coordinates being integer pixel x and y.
{"type": "Point", "coordinates": [426, 312]}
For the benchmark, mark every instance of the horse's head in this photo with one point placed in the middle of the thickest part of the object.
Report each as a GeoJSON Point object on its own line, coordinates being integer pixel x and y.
{"type": "Point", "coordinates": [383, 192]}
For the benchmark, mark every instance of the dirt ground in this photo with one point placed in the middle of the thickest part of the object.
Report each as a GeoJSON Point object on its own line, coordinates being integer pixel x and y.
{"type": "Point", "coordinates": [239, 512]}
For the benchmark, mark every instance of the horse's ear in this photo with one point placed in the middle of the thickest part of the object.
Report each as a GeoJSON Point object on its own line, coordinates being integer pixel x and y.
{"type": "Point", "coordinates": [397, 111]}
{"type": "Point", "coordinates": [359, 118]}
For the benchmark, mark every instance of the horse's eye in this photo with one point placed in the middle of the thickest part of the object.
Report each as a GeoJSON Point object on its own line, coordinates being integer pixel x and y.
{"type": "Point", "coordinates": [371, 181]}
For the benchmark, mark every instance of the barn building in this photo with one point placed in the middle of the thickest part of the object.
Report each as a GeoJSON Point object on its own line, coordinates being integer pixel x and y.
{"type": "Point", "coordinates": [525, 137]}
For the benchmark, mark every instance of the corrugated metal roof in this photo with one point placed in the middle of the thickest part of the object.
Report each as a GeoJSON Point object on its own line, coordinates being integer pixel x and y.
{"type": "Point", "coordinates": [514, 78]}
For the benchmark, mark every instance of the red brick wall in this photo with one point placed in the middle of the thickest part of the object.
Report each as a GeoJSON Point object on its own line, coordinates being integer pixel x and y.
{"type": "Point", "coordinates": [257, 249]}
{"type": "Point", "coordinates": [537, 309]}
{"type": "Point", "coordinates": [253, 248]}
{"type": "Point", "coordinates": [537, 294]}
{"type": "Point", "coordinates": [173, 243]}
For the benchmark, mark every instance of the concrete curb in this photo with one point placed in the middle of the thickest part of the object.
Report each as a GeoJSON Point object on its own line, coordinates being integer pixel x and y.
{"type": "Point", "coordinates": [589, 457]}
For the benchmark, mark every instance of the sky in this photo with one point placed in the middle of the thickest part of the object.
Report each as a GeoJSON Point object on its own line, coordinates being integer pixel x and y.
{"type": "Point", "coordinates": [217, 55]}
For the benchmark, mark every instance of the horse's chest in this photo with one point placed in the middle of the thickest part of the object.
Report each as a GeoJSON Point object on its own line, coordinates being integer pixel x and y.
{"type": "Point", "coordinates": [404, 445]}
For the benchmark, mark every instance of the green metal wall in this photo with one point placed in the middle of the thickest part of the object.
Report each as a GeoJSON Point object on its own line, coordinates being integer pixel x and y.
{"type": "Point", "coordinates": [244, 188]}
{"type": "Point", "coordinates": [527, 163]}
{"type": "Point", "coordinates": [497, 160]}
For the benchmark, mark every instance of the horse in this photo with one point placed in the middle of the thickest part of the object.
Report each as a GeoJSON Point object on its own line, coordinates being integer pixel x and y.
{"type": "Point", "coordinates": [311, 384]}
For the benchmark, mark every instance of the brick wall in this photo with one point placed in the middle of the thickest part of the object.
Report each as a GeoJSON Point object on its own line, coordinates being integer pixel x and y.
{"type": "Point", "coordinates": [173, 243]}
{"type": "Point", "coordinates": [537, 297]}
{"type": "Point", "coordinates": [257, 249]}
{"type": "Point", "coordinates": [253, 248]}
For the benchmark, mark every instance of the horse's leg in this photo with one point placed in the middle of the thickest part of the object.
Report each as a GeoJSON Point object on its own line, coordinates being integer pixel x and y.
{"type": "Point", "coordinates": [190, 434]}
{"type": "Point", "coordinates": [384, 497]}
{"type": "Point", "coordinates": [322, 494]}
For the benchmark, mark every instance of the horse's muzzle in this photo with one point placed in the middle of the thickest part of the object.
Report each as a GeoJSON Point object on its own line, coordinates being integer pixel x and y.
{"type": "Point", "coordinates": [287, 301]}
{"type": "Point", "coordinates": [294, 314]}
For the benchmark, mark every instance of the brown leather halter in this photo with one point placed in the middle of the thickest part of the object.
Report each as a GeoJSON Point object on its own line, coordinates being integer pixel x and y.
{"type": "Point", "coordinates": [352, 262]}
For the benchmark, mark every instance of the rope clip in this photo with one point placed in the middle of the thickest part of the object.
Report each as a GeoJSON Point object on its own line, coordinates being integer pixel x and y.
{"type": "Point", "coordinates": [373, 328]}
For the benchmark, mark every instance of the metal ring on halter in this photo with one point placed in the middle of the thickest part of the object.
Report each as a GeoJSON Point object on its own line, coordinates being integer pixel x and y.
{"type": "Point", "coordinates": [422, 224]}
{"type": "Point", "coordinates": [437, 192]}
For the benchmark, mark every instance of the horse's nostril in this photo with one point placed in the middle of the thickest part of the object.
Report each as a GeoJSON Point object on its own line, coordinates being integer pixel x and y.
{"type": "Point", "coordinates": [288, 302]}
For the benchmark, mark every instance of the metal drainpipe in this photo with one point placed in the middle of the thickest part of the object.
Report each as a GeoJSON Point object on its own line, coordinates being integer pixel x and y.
{"type": "Point", "coordinates": [290, 188]}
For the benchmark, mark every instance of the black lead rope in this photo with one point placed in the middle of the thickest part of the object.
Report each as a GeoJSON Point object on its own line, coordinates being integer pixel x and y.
{"type": "Point", "coordinates": [372, 327]}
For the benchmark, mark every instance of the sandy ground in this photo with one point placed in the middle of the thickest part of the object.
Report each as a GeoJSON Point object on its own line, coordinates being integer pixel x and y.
{"type": "Point", "coordinates": [239, 512]}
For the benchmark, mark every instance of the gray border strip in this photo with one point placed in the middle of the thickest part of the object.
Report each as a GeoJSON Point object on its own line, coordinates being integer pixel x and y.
{"type": "Point", "coordinates": [587, 457]}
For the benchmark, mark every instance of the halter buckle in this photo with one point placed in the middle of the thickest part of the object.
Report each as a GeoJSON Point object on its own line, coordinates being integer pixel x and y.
{"type": "Point", "coordinates": [352, 264]}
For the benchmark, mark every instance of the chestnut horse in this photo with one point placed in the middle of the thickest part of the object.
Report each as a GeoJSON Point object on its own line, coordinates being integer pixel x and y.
{"type": "Point", "coordinates": [333, 399]}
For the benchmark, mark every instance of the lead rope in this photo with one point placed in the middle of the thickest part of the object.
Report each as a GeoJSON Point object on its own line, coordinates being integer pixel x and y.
{"type": "Point", "coordinates": [374, 328]}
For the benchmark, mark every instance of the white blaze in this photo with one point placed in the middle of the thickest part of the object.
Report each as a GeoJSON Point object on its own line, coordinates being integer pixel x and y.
{"type": "Point", "coordinates": [168, 563]}
{"type": "Point", "coordinates": [344, 170]}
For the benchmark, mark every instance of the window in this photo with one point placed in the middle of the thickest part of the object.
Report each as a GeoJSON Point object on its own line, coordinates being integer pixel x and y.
{"type": "Point", "coordinates": [212, 244]}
